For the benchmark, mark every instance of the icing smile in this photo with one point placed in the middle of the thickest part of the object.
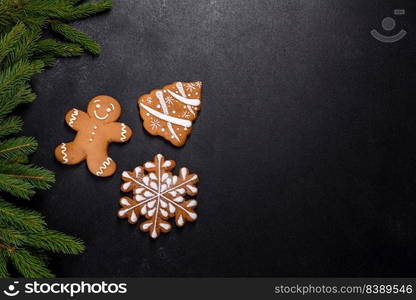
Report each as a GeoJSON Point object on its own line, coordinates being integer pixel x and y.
{"type": "Point", "coordinates": [100, 118]}
{"type": "Point", "coordinates": [108, 110]}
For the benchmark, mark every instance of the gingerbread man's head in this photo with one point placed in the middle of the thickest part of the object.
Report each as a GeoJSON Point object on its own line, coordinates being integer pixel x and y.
{"type": "Point", "coordinates": [104, 108]}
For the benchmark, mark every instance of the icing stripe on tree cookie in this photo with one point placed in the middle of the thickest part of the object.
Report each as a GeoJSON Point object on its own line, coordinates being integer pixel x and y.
{"type": "Point", "coordinates": [177, 121]}
{"type": "Point", "coordinates": [162, 102]}
{"type": "Point", "coordinates": [73, 118]}
{"type": "Point", "coordinates": [64, 154]}
{"type": "Point", "coordinates": [104, 166]}
{"type": "Point", "coordinates": [194, 102]}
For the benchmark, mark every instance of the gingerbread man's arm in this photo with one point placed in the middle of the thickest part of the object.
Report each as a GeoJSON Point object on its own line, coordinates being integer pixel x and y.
{"type": "Point", "coordinates": [118, 132]}
{"type": "Point", "coordinates": [75, 118]}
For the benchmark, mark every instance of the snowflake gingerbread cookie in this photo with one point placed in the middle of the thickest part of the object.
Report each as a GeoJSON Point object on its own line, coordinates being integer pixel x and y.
{"type": "Point", "coordinates": [95, 128]}
{"type": "Point", "coordinates": [158, 195]}
{"type": "Point", "coordinates": [169, 112]}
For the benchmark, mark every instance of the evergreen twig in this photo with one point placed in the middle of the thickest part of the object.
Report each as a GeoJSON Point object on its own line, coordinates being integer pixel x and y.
{"type": "Point", "coordinates": [24, 52]}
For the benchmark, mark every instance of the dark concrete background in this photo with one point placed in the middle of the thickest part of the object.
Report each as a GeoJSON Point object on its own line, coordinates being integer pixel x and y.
{"type": "Point", "coordinates": [304, 146]}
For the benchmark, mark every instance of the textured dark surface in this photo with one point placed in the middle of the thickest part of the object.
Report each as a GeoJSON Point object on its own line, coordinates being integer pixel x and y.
{"type": "Point", "coordinates": [304, 146]}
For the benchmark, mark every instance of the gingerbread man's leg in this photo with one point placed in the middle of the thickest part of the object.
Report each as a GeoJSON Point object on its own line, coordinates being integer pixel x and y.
{"type": "Point", "coordinates": [69, 153]}
{"type": "Point", "coordinates": [101, 164]}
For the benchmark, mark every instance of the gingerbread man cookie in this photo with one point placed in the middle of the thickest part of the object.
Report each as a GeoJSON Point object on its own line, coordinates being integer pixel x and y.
{"type": "Point", "coordinates": [95, 128]}
{"type": "Point", "coordinates": [169, 112]}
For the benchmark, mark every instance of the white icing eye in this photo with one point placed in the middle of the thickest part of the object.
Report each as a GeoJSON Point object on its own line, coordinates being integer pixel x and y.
{"type": "Point", "coordinates": [108, 109]}
{"type": "Point", "coordinates": [97, 105]}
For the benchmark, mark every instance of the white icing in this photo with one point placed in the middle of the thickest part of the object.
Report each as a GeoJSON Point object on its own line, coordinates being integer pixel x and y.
{"type": "Point", "coordinates": [146, 180]}
{"type": "Point", "coordinates": [190, 110]}
{"type": "Point", "coordinates": [123, 132]}
{"type": "Point", "coordinates": [162, 102]}
{"type": "Point", "coordinates": [167, 118]}
{"type": "Point", "coordinates": [165, 226]}
{"type": "Point", "coordinates": [133, 217]}
{"type": "Point", "coordinates": [104, 166]}
{"type": "Point", "coordinates": [149, 165]}
{"type": "Point", "coordinates": [178, 199]}
{"type": "Point", "coordinates": [153, 185]}
{"type": "Point", "coordinates": [139, 198]}
{"type": "Point", "coordinates": [124, 201]}
{"type": "Point", "coordinates": [73, 117]}
{"type": "Point", "coordinates": [99, 117]}
{"type": "Point", "coordinates": [126, 185]}
{"type": "Point", "coordinates": [180, 221]}
{"type": "Point", "coordinates": [167, 164]}
{"type": "Point", "coordinates": [164, 176]}
{"type": "Point", "coordinates": [184, 172]}
{"type": "Point", "coordinates": [192, 203]}
{"type": "Point", "coordinates": [172, 131]}
{"type": "Point", "coordinates": [138, 190]}
{"type": "Point", "coordinates": [154, 233]}
{"type": "Point", "coordinates": [148, 194]}
{"type": "Point", "coordinates": [179, 85]}
{"type": "Point", "coordinates": [192, 188]}
{"type": "Point", "coordinates": [137, 171]}
{"type": "Point", "coordinates": [146, 225]}
{"type": "Point", "coordinates": [151, 212]}
{"type": "Point", "coordinates": [183, 99]}
{"type": "Point", "coordinates": [64, 154]}
{"type": "Point", "coordinates": [171, 208]}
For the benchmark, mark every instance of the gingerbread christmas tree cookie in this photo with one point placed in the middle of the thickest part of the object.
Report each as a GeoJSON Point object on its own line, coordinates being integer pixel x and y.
{"type": "Point", "coordinates": [96, 129]}
{"type": "Point", "coordinates": [158, 195]}
{"type": "Point", "coordinates": [169, 112]}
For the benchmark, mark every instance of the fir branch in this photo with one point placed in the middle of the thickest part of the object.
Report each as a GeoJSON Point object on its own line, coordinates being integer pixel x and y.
{"type": "Point", "coordinates": [55, 241]}
{"type": "Point", "coordinates": [47, 59]}
{"type": "Point", "coordinates": [9, 40]}
{"type": "Point", "coordinates": [4, 259]}
{"type": "Point", "coordinates": [21, 219]}
{"type": "Point", "coordinates": [10, 125]}
{"type": "Point", "coordinates": [16, 187]}
{"type": "Point", "coordinates": [15, 147]}
{"type": "Point", "coordinates": [11, 236]}
{"type": "Point", "coordinates": [85, 10]}
{"type": "Point", "coordinates": [29, 265]}
{"type": "Point", "coordinates": [58, 48]}
{"type": "Point", "coordinates": [23, 232]}
{"type": "Point", "coordinates": [10, 99]}
{"type": "Point", "coordinates": [18, 74]}
{"type": "Point", "coordinates": [37, 177]}
{"type": "Point", "coordinates": [76, 36]}
{"type": "Point", "coordinates": [24, 47]}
